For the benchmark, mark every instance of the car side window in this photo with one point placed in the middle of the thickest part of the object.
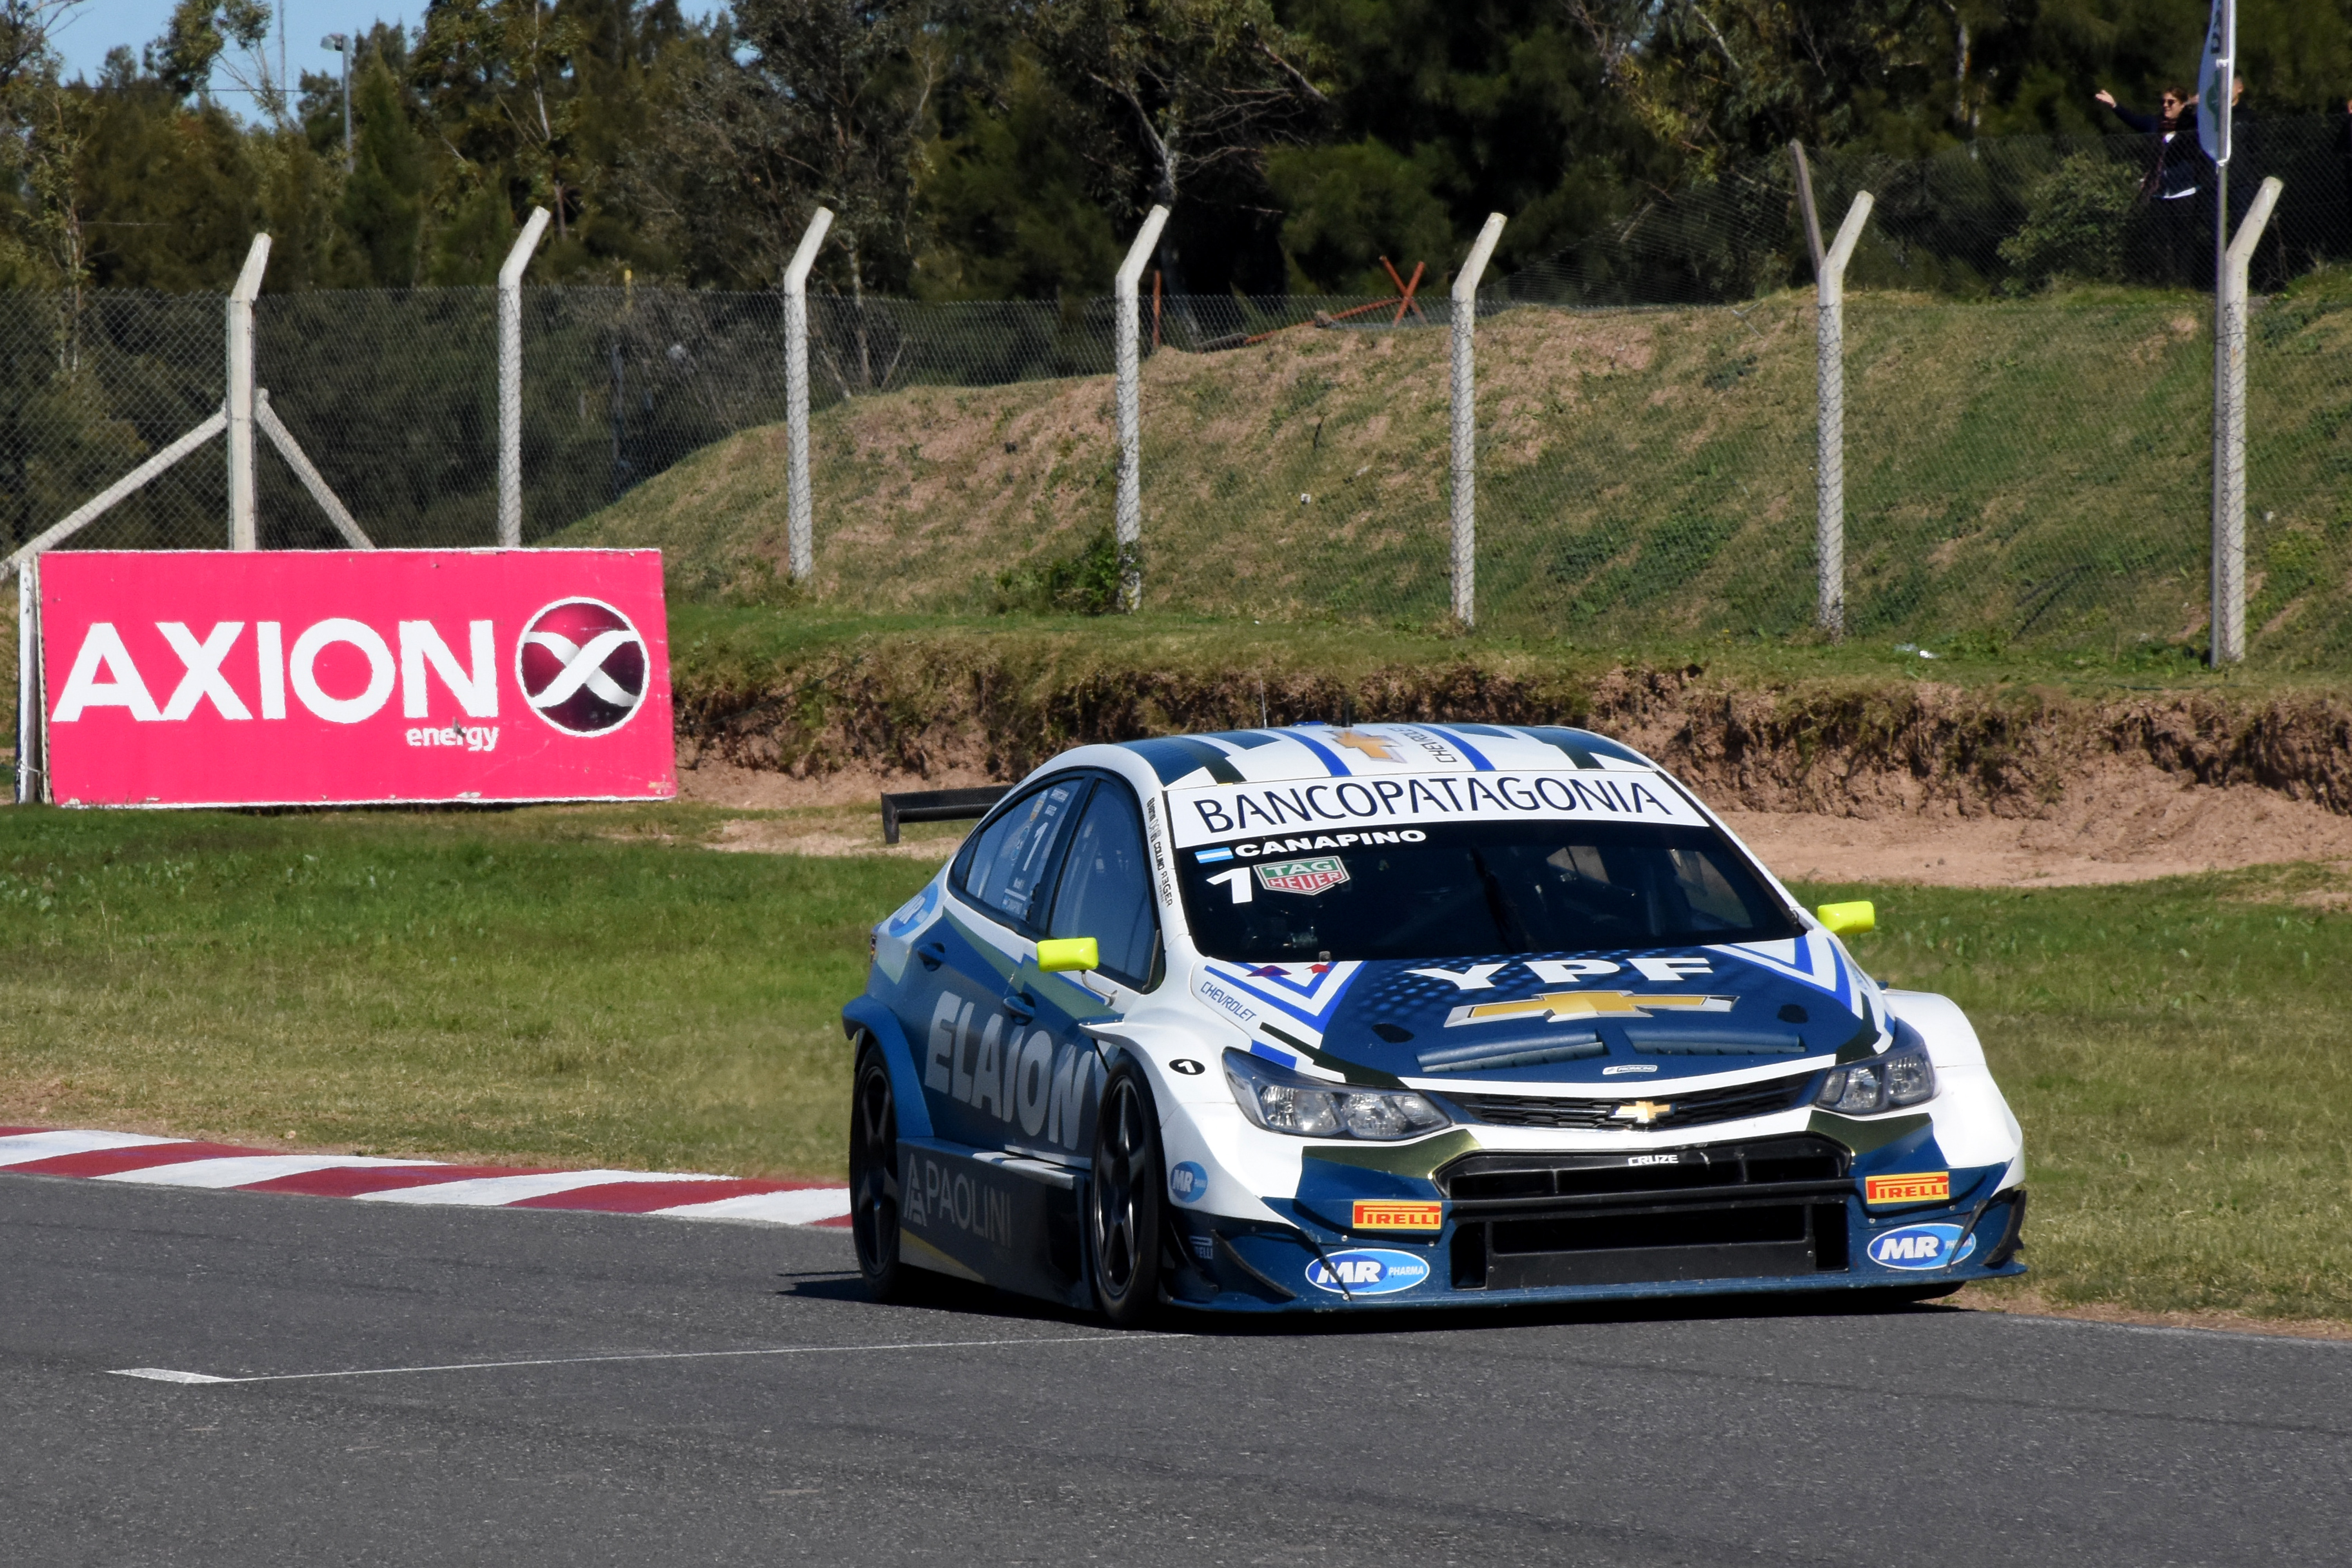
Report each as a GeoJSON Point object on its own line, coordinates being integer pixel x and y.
{"type": "Point", "coordinates": [1106, 892]}
{"type": "Point", "coordinates": [1009, 866]}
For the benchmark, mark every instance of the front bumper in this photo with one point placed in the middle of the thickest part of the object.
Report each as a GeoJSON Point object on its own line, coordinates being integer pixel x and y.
{"type": "Point", "coordinates": [1800, 1223]}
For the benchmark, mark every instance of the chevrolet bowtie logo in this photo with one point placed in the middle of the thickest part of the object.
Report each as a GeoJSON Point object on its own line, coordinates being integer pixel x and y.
{"type": "Point", "coordinates": [1640, 1112]}
{"type": "Point", "coordinates": [1371, 746]}
{"type": "Point", "coordinates": [1569, 1007]}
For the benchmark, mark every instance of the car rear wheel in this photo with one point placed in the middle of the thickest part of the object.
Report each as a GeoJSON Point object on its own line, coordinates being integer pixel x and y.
{"type": "Point", "coordinates": [1123, 1200]}
{"type": "Point", "coordinates": [874, 1176]}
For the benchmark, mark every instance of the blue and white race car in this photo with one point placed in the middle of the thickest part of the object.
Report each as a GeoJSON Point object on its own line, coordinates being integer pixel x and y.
{"type": "Point", "coordinates": [1402, 1015]}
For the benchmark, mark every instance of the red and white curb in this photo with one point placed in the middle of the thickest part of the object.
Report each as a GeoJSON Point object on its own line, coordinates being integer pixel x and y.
{"type": "Point", "coordinates": [141, 1161]}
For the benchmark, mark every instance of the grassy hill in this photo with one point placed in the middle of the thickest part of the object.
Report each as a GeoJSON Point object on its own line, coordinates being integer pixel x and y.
{"type": "Point", "coordinates": [2027, 472]}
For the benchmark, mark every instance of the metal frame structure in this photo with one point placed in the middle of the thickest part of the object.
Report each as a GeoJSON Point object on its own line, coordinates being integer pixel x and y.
{"type": "Point", "coordinates": [511, 379]}
{"type": "Point", "coordinates": [2229, 570]}
{"type": "Point", "coordinates": [1464, 510]}
{"type": "Point", "coordinates": [1130, 527]}
{"type": "Point", "coordinates": [799, 522]}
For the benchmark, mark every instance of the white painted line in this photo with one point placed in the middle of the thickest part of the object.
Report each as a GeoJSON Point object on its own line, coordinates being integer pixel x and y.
{"type": "Point", "coordinates": [2252, 1336]}
{"type": "Point", "coordinates": [244, 1170]}
{"type": "Point", "coordinates": [489, 1191]}
{"type": "Point", "coordinates": [26, 1147]}
{"type": "Point", "coordinates": [162, 1375]}
{"type": "Point", "coordinates": [804, 1206]}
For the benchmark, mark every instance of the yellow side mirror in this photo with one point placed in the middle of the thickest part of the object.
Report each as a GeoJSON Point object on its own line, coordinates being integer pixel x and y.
{"type": "Point", "coordinates": [1849, 920]}
{"type": "Point", "coordinates": [1064, 953]}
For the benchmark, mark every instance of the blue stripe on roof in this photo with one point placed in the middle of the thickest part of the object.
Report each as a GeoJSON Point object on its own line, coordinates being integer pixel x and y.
{"type": "Point", "coordinates": [1247, 740]}
{"type": "Point", "coordinates": [1337, 769]}
{"type": "Point", "coordinates": [1583, 740]}
{"type": "Point", "coordinates": [1477, 759]}
{"type": "Point", "coordinates": [1570, 743]}
{"type": "Point", "coordinates": [1172, 757]}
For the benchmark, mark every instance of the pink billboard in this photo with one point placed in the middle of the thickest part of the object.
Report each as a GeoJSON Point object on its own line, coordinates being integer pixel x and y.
{"type": "Point", "coordinates": [344, 677]}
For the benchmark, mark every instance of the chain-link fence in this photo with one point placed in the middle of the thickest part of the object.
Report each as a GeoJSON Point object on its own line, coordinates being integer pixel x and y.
{"type": "Point", "coordinates": [2023, 462]}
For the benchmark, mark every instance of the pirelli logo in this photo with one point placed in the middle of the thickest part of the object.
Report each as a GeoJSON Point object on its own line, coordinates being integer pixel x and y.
{"type": "Point", "coordinates": [1370, 1216]}
{"type": "Point", "coordinates": [1920, 1187]}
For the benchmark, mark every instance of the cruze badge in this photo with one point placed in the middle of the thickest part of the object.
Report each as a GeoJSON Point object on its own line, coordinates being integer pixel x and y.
{"type": "Point", "coordinates": [1571, 1006]}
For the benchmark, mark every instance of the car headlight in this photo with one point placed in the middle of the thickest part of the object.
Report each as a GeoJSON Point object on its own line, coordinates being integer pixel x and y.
{"type": "Point", "coordinates": [1284, 1102]}
{"type": "Point", "coordinates": [1903, 1076]}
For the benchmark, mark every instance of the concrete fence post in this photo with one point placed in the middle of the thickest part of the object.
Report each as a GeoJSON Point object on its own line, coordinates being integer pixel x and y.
{"type": "Point", "coordinates": [244, 530]}
{"type": "Point", "coordinates": [1828, 348]}
{"type": "Point", "coordinates": [2229, 572]}
{"type": "Point", "coordinates": [511, 378]}
{"type": "Point", "coordinates": [800, 505]}
{"type": "Point", "coordinates": [1464, 321]}
{"type": "Point", "coordinates": [1129, 528]}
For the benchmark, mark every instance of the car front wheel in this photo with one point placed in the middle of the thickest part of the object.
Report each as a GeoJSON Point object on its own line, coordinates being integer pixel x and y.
{"type": "Point", "coordinates": [1123, 1200]}
{"type": "Point", "coordinates": [874, 1176]}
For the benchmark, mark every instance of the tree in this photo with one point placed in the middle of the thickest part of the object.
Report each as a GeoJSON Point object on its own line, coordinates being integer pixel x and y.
{"type": "Point", "coordinates": [1192, 90]}
{"type": "Point", "coordinates": [829, 104]}
{"type": "Point", "coordinates": [1010, 208]}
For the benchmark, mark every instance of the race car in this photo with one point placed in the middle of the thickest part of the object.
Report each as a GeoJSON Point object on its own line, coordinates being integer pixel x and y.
{"type": "Point", "coordinates": [1334, 1018]}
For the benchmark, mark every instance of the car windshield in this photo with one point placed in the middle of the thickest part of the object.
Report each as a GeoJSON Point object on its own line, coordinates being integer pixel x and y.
{"type": "Point", "coordinates": [1465, 890]}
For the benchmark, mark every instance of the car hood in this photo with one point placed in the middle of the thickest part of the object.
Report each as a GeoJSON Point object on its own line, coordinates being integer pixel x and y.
{"type": "Point", "coordinates": [1614, 1019]}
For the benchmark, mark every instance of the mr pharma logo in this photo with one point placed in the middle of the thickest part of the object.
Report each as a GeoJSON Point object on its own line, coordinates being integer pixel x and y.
{"type": "Point", "coordinates": [1368, 1271]}
{"type": "Point", "coordinates": [581, 666]}
{"type": "Point", "coordinates": [1920, 1247]}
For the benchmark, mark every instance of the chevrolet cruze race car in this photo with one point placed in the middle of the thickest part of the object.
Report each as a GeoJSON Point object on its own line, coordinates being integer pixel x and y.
{"type": "Point", "coordinates": [1402, 1015]}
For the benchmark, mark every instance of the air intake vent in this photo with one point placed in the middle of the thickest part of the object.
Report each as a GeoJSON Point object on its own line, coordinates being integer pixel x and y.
{"type": "Point", "coordinates": [1664, 1111]}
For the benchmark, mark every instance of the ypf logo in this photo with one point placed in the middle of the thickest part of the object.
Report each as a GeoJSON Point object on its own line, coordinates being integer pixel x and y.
{"type": "Point", "coordinates": [581, 666]}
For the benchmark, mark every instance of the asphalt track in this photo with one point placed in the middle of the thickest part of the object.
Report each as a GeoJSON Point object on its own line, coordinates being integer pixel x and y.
{"type": "Point", "coordinates": [719, 1394]}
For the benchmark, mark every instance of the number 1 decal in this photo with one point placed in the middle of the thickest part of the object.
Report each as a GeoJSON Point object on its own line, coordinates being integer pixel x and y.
{"type": "Point", "coordinates": [1238, 879]}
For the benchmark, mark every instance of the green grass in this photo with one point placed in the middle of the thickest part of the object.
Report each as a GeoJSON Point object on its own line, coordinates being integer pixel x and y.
{"type": "Point", "coordinates": [2019, 472]}
{"type": "Point", "coordinates": [552, 984]}
{"type": "Point", "coordinates": [577, 985]}
{"type": "Point", "coordinates": [2180, 1056]}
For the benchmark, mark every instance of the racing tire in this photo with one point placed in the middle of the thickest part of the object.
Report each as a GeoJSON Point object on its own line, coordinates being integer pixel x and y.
{"type": "Point", "coordinates": [1123, 1200]}
{"type": "Point", "coordinates": [874, 1176]}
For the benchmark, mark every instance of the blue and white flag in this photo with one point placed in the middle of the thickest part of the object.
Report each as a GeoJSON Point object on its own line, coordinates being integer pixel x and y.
{"type": "Point", "coordinates": [2215, 72]}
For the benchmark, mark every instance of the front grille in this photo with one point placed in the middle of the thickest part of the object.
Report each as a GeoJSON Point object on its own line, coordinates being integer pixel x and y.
{"type": "Point", "coordinates": [1695, 1110]}
{"type": "Point", "coordinates": [1499, 1182]}
{"type": "Point", "coordinates": [1773, 1206]}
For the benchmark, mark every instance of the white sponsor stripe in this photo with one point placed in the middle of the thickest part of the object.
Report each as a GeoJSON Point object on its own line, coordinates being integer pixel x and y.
{"type": "Point", "coordinates": [489, 1191]}
{"type": "Point", "coordinates": [165, 1374]}
{"type": "Point", "coordinates": [26, 1147]}
{"type": "Point", "coordinates": [244, 1170]}
{"type": "Point", "coordinates": [805, 1206]}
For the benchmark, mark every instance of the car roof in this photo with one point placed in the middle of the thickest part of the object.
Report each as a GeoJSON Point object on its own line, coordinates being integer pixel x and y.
{"type": "Point", "coordinates": [1330, 750]}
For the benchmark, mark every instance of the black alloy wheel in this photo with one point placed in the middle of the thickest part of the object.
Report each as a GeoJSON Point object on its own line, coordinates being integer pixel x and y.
{"type": "Point", "coordinates": [1123, 1216]}
{"type": "Point", "coordinates": [873, 1176]}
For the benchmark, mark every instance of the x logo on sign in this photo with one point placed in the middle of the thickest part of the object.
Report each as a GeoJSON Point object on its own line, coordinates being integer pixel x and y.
{"type": "Point", "coordinates": [582, 666]}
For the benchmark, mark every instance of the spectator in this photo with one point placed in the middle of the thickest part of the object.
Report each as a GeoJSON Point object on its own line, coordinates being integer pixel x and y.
{"type": "Point", "coordinates": [2175, 180]}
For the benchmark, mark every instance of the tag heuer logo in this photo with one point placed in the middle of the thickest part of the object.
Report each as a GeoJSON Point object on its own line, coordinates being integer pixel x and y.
{"type": "Point", "coordinates": [1309, 877]}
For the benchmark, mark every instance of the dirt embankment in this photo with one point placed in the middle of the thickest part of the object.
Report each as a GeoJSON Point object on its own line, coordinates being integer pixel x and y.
{"type": "Point", "coordinates": [1836, 778]}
